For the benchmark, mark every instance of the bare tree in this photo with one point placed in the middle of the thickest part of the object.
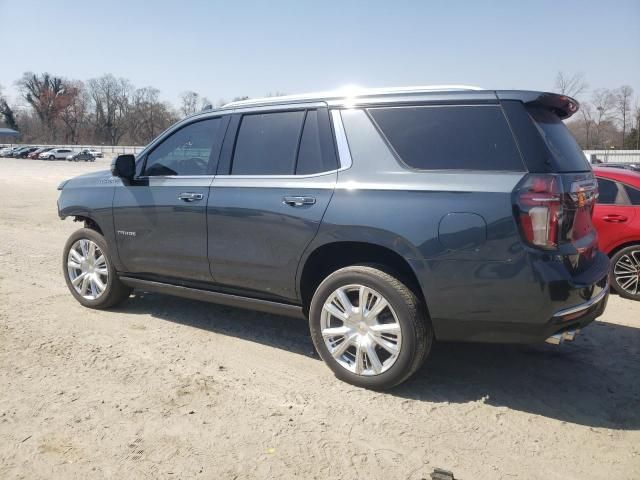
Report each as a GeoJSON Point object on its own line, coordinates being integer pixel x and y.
{"type": "Point", "coordinates": [604, 102]}
{"type": "Point", "coordinates": [74, 115]}
{"type": "Point", "coordinates": [111, 101]}
{"type": "Point", "coordinates": [192, 102]}
{"type": "Point", "coordinates": [149, 116]}
{"type": "Point", "coordinates": [189, 102]}
{"type": "Point", "coordinates": [47, 95]}
{"type": "Point", "coordinates": [623, 96]}
{"type": "Point", "coordinates": [586, 115]}
{"type": "Point", "coordinates": [572, 86]}
{"type": "Point", "coordinates": [7, 112]}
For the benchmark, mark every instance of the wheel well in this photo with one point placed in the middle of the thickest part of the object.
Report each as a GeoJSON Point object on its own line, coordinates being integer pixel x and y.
{"type": "Point", "coordinates": [329, 258]}
{"type": "Point", "coordinates": [624, 245]}
{"type": "Point", "coordinates": [89, 223]}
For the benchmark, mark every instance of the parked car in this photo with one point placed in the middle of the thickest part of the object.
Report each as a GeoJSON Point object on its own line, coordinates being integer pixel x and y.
{"type": "Point", "coordinates": [617, 219]}
{"type": "Point", "coordinates": [96, 153]}
{"type": "Point", "coordinates": [83, 155]}
{"type": "Point", "coordinates": [56, 154]}
{"type": "Point", "coordinates": [627, 166]}
{"type": "Point", "coordinates": [389, 219]}
{"type": "Point", "coordinates": [37, 152]}
{"type": "Point", "coordinates": [7, 152]}
{"type": "Point", "coordinates": [24, 153]}
{"type": "Point", "coordinates": [18, 151]}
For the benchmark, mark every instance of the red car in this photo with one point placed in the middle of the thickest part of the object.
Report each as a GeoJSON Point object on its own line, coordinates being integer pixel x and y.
{"type": "Point", "coordinates": [617, 219]}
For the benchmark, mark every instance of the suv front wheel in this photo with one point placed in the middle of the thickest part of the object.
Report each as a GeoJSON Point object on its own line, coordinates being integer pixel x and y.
{"type": "Point", "coordinates": [369, 327]}
{"type": "Point", "coordinates": [89, 271]}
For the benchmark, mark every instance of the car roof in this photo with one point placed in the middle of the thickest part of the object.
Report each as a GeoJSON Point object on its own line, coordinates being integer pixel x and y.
{"type": "Point", "coordinates": [619, 174]}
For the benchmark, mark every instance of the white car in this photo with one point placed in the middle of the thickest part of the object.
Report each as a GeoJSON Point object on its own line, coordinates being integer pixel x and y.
{"type": "Point", "coordinates": [96, 153]}
{"type": "Point", "coordinates": [56, 154]}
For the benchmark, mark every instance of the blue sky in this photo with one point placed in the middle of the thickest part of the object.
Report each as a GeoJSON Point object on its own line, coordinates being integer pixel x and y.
{"type": "Point", "coordinates": [226, 49]}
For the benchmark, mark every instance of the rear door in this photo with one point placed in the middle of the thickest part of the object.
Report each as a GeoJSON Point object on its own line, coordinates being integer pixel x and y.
{"type": "Point", "coordinates": [614, 215]}
{"type": "Point", "coordinates": [276, 177]}
{"type": "Point", "coordinates": [160, 220]}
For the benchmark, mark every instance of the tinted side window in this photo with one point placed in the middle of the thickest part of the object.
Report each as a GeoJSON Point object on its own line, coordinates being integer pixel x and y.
{"type": "Point", "coordinates": [634, 194]}
{"type": "Point", "coordinates": [310, 153]}
{"type": "Point", "coordinates": [608, 192]}
{"type": "Point", "coordinates": [185, 152]}
{"type": "Point", "coordinates": [267, 144]}
{"type": "Point", "coordinates": [456, 137]}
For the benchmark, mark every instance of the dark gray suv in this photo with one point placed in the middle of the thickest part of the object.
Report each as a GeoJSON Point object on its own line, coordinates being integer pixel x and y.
{"type": "Point", "coordinates": [389, 218]}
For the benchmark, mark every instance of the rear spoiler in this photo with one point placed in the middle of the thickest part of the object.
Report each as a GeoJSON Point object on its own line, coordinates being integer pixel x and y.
{"type": "Point", "coordinates": [562, 105]}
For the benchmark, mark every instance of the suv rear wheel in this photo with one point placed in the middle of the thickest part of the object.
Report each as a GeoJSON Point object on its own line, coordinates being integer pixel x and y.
{"type": "Point", "coordinates": [369, 327]}
{"type": "Point", "coordinates": [89, 272]}
{"type": "Point", "coordinates": [625, 272]}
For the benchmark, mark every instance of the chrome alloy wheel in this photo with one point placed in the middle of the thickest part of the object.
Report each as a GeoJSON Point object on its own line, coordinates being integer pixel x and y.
{"type": "Point", "coordinates": [361, 330]}
{"type": "Point", "coordinates": [87, 269]}
{"type": "Point", "coordinates": [627, 272]}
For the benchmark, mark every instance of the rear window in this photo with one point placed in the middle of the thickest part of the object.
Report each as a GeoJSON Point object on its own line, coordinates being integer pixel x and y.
{"type": "Point", "coordinates": [450, 137]}
{"type": "Point", "coordinates": [568, 156]}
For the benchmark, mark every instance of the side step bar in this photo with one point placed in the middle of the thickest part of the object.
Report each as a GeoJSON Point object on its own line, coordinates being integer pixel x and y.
{"type": "Point", "coordinates": [238, 301]}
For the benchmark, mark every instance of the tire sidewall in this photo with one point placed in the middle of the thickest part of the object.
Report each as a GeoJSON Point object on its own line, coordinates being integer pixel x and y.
{"type": "Point", "coordinates": [88, 234]}
{"type": "Point", "coordinates": [612, 278]}
{"type": "Point", "coordinates": [399, 370]}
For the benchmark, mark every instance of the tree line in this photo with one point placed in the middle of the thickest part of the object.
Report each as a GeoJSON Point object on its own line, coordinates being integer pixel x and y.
{"type": "Point", "coordinates": [101, 111]}
{"type": "Point", "coordinates": [607, 118]}
{"type": "Point", "coordinates": [112, 111]}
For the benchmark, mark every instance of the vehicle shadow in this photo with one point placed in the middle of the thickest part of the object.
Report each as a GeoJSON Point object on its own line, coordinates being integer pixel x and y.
{"type": "Point", "coordinates": [594, 381]}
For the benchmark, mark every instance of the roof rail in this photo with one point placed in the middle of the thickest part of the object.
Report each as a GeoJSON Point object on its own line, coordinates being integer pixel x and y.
{"type": "Point", "coordinates": [352, 91]}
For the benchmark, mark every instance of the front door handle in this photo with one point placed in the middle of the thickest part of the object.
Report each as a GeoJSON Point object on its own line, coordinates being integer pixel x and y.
{"type": "Point", "coordinates": [297, 201]}
{"type": "Point", "coordinates": [614, 218]}
{"type": "Point", "coordinates": [190, 197]}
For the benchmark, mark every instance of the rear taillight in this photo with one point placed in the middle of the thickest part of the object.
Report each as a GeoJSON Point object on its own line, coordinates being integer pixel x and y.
{"type": "Point", "coordinates": [539, 210]}
{"type": "Point", "coordinates": [552, 209]}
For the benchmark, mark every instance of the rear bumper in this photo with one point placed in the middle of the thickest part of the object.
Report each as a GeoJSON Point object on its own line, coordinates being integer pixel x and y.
{"type": "Point", "coordinates": [564, 305]}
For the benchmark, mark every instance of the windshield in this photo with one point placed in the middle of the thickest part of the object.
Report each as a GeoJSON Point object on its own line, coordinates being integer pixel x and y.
{"type": "Point", "coordinates": [567, 154]}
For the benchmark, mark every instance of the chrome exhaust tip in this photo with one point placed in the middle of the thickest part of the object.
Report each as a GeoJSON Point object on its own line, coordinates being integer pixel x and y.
{"type": "Point", "coordinates": [554, 339]}
{"type": "Point", "coordinates": [566, 336]}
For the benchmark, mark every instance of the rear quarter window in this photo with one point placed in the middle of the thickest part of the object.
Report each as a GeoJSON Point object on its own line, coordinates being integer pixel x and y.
{"type": "Point", "coordinates": [450, 137]}
{"type": "Point", "coordinates": [567, 154]}
{"type": "Point", "coordinates": [633, 194]}
{"type": "Point", "coordinates": [608, 192]}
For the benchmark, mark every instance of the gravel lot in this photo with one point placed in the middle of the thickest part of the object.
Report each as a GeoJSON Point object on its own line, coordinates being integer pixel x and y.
{"type": "Point", "coordinates": [170, 388]}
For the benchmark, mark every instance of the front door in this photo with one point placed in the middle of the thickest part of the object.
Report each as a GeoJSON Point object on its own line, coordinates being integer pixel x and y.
{"type": "Point", "coordinates": [160, 220]}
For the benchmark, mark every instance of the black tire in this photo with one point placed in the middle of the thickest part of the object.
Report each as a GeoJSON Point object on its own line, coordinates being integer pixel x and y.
{"type": "Point", "coordinates": [620, 262]}
{"type": "Point", "coordinates": [417, 332]}
{"type": "Point", "coordinates": [115, 291]}
{"type": "Point", "coordinates": [51, 157]}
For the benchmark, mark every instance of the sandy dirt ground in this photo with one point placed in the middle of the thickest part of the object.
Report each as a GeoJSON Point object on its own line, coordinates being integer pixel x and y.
{"type": "Point", "coordinates": [169, 388]}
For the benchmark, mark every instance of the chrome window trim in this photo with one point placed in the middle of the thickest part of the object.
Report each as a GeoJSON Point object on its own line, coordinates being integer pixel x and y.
{"type": "Point", "coordinates": [344, 154]}
{"type": "Point", "coordinates": [169, 177]}
{"type": "Point", "coordinates": [284, 177]}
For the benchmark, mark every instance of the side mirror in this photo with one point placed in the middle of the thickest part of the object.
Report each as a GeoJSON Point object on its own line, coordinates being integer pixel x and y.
{"type": "Point", "coordinates": [124, 166]}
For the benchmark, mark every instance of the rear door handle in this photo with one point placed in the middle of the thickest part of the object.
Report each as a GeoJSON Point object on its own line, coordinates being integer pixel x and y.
{"type": "Point", "coordinates": [296, 201]}
{"type": "Point", "coordinates": [613, 218]}
{"type": "Point", "coordinates": [190, 197]}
